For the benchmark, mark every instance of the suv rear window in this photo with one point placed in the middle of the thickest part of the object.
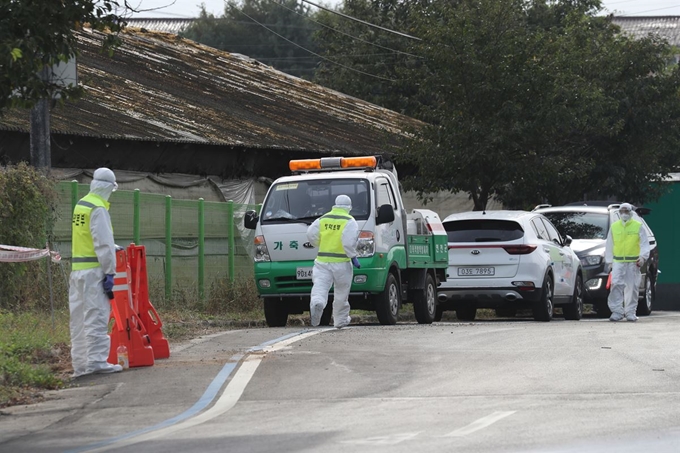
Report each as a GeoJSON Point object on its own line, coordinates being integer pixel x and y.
{"type": "Point", "coordinates": [580, 225]}
{"type": "Point", "coordinates": [483, 230]}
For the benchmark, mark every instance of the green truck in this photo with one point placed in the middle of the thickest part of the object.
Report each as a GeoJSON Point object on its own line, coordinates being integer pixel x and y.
{"type": "Point", "coordinates": [403, 256]}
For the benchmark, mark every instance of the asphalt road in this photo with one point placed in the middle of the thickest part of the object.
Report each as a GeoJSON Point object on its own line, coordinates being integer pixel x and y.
{"type": "Point", "coordinates": [490, 386]}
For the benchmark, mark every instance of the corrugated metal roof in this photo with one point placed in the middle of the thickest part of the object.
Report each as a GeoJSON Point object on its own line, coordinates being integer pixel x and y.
{"type": "Point", "coordinates": [639, 27]}
{"type": "Point", "coordinates": [160, 87]}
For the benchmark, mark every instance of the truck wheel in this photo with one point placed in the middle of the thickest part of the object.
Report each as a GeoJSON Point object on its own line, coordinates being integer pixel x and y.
{"type": "Point", "coordinates": [543, 308]}
{"type": "Point", "coordinates": [574, 310]}
{"type": "Point", "coordinates": [425, 302]}
{"type": "Point", "coordinates": [644, 307]}
{"type": "Point", "coordinates": [388, 302]}
{"type": "Point", "coordinates": [326, 315]}
{"type": "Point", "coordinates": [275, 312]}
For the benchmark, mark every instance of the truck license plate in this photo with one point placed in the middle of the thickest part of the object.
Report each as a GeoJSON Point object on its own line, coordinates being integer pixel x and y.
{"type": "Point", "coordinates": [304, 273]}
{"type": "Point", "coordinates": [476, 271]}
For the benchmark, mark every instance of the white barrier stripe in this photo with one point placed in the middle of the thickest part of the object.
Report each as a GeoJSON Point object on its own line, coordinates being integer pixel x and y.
{"type": "Point", "coordinates": [14, 254]}
{"type": "Point", "coordinates": [121, 287]}
{"type": "Point", "coordinates": [121, 275]}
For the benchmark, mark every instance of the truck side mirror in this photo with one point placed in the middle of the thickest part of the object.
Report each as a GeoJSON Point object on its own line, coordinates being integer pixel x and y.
{"type": "Point", "coordinates": [250, 220]}
{"type": "Point", "coordinates": [385, 214]}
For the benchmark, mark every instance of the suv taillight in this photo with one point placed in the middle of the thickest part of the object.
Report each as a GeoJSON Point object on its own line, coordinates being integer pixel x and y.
{"type": "Point", "coordinates": [523, 249]}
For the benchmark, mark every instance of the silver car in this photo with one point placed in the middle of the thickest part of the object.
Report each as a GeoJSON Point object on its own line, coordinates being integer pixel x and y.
{"type": "Point", "coordinates": [509, 260]}
{"type": "Point", "coordinates": [588, 224]}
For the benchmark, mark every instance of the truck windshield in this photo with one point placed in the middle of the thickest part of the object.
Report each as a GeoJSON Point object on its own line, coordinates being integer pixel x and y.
{"type": "Point", "coordinates": [305, 201]}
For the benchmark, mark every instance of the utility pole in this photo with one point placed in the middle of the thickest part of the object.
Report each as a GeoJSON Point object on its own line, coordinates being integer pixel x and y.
{"type": "Point", "coordinates": [41, 155]}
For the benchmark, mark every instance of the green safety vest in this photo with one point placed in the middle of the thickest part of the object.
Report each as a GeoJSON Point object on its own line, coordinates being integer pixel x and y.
{"type": "Point", "coordinates": [331, 226]}
{"type": "Point", "coordinates": [626, 241]}
{"type": "Point", "coordinates": [83, 255]}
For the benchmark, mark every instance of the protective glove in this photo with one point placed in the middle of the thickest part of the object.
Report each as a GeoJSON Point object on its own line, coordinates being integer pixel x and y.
{"type": "Point", "coordinates": [355, 263]}
{"type": "Point", "coordinates": [108, 283]}
{"type": "Point", "coordinates": [640, 262]}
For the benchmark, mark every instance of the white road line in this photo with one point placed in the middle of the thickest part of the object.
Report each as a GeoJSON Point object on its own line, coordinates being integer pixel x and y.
{"type": "Point", "coordinates": [383, 440]}
{"type": "Point", "coordinates": [479, 424]}
{"type": "Point", "coordinates": [232, 393]}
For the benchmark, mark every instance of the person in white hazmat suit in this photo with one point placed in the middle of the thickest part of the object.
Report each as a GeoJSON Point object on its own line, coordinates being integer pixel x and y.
{"type": "Point", "coordinates": [93, 269]}
{"type": "Point", "coordinates": [626, 250]}
{"type": "Point", "coordinates": [336, 234]}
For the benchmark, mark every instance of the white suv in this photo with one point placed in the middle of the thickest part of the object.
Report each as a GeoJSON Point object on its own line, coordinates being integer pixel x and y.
{"type": "Point", "coordinates": [509, 260]}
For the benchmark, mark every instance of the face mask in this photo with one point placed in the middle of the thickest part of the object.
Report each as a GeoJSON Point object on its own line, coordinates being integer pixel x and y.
{"type": "Point", "coordinates": [625, 217]}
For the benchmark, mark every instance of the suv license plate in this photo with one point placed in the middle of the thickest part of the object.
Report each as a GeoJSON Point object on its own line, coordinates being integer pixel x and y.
{"type": "Point", "coordinates": [476, 271]}
{"type": "Point", "coordinates": [304, 273]}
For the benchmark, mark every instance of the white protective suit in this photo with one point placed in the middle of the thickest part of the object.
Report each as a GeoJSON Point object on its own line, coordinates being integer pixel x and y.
{"type": "Point", "coordinates": [338, 275]}
{"type": "Point", "coordinates": [88, 304]}
{"type": "Point", "coordinates": [625, 285]}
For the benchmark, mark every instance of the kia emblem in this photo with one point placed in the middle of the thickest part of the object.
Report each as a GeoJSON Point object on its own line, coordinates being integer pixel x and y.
{"type": "Point", "coordinates": [308, 245]}
{"type": "Point", "coordinates": [475, 252]}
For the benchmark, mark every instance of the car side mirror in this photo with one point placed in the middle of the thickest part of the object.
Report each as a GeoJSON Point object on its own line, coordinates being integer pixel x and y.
{"type": "Point", "coordinates": [250, 220]}
{"type": "Point", "coordinates": [385, 214]}
{"type": "Point", "coordinates": [567, 241]}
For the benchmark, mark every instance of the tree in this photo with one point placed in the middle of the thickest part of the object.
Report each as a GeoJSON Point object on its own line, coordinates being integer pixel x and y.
{"type": "Point", "coordinates": [39, 34]}
{"type": "Point", "coordinates": [366, 62]}
{"type": "Point", "coordinates": [277, 33]}
{"type": "Point", "coordinates": [539, 102]}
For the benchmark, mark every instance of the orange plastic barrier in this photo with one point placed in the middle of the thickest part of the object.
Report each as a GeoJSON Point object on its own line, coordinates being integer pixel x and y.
{"type": "Point", "coordinates": [140, 295]}
{"type": "Point", "coordinates": [127, 327]}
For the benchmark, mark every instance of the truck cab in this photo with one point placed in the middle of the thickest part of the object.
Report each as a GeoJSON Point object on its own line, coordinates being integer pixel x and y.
{"type": "Point", "coordinates": [284, 258]}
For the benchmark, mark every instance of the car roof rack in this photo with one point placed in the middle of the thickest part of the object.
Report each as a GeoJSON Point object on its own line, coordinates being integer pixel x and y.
{"type": "Point", "coordinates": [539, 206]}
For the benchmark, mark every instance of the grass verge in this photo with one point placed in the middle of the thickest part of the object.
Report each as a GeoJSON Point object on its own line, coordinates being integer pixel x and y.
{"type": "Point", "coordinates": [34, 355]}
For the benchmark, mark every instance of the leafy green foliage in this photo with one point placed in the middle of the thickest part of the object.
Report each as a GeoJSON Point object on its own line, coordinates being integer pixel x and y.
{"type": "Point", "coordinates": [238, 31]}
{"type": "Point", "coordinates": [540, 102]}
{"type": "Point", "coordinates": [366, 62]}
{"type": "Point", "coordinates": [27, 209]}
{"type": "Point", "coordinates": [38, 34]}
{"type": "Point", "coordinates": [525, 102]}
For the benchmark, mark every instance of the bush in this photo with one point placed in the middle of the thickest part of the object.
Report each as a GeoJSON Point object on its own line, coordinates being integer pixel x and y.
{"type": "Point", "coordinates": [27, 212]}
{"type": "Point", "coordinates": [239, 297]}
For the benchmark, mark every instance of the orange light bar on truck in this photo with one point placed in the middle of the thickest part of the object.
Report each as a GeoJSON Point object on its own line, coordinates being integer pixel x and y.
{"type": "Point", "coordinates": [366, 161]}
{"type": "Point", "coordinates": [333, 162]}
{"type": "Point", "coordinates": [305, 164]}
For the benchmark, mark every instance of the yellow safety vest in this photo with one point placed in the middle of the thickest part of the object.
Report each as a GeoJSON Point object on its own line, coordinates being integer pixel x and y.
{"type": "Point", "coordinates": [331, 226]}
{"type": "Point", "coordinates": [626, 241]}
{"type": "Point", "coordinates": [83, 255]}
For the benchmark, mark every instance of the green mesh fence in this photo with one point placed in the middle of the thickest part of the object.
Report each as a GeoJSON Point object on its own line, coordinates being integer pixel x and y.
{"type": "Point", "coordinates": [191, 254]}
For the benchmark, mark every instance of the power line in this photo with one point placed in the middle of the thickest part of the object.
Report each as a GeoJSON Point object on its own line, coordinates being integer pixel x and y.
{"type": "Point", "coordinates": [362, 21]}
{"type": "Point", "coordinates": [310, 58]}
{"type": "Point", "coordinates": [647, 11]}
{"type": "Point", "coordinates": [314, 53]}
{"type": "Point", "coordinates": [343, 33]}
